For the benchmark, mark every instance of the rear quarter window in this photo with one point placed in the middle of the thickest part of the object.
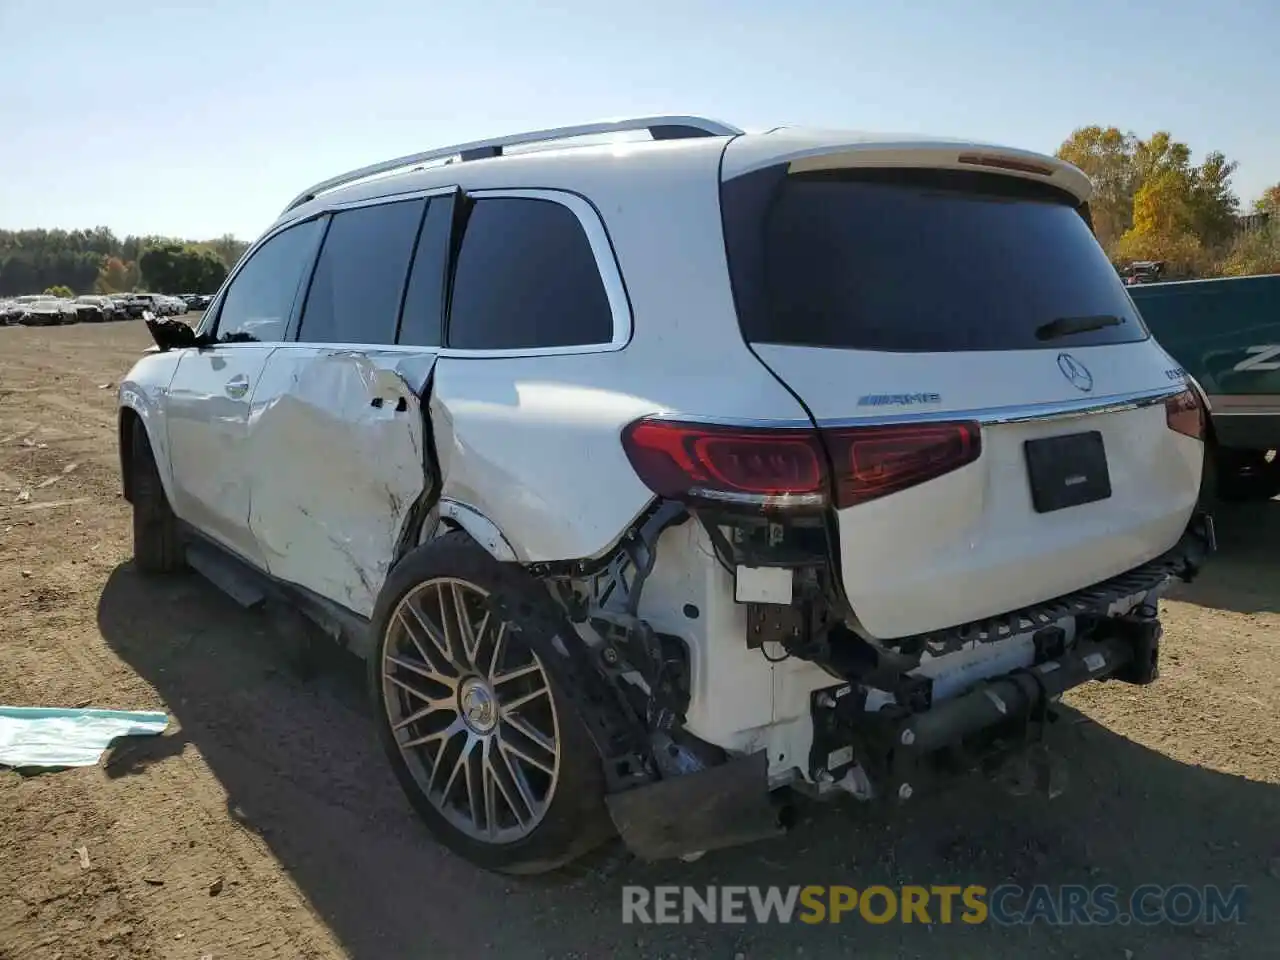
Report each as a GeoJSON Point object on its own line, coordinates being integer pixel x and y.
{"type": "Point", "coordinates": [526, 277]}
{"type": "Point", "coordinates": [916, 261]}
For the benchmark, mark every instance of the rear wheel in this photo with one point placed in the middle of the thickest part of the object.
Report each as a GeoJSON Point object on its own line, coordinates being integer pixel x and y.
{"type": "Point", "coordinates": [156, 545]}
{"type": "Point", "coordinates": [483, 739]}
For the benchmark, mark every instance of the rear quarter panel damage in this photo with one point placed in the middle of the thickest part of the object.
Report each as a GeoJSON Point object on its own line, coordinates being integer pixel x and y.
{"type": "Point", "coordinates": [337, 445]}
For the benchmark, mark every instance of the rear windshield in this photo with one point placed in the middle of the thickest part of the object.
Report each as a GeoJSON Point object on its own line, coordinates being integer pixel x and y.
{"type": "Point", "coordinates": [914, 260]}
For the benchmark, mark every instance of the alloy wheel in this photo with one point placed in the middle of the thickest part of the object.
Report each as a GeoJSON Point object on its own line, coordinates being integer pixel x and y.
{"type": "Point", "coordinates": [471, 710]}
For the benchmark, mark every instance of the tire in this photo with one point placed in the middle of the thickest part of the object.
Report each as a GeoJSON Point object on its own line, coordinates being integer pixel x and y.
{"type": "Point", "coordinates": [570, 819]}
{"type": "Point", "coordinates": [157, 548]}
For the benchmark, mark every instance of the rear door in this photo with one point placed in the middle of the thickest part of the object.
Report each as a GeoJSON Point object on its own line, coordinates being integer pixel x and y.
{"type": "Point", "coordinates": [212, 390]}
{"type": "Point", "coordinates": [338, 451]}
{"type": "Point", "coordinates": [992, 404]}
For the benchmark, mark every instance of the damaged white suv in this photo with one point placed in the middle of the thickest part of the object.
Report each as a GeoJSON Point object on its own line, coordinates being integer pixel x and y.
{"type": "Point", "coordinates": [658, 474]}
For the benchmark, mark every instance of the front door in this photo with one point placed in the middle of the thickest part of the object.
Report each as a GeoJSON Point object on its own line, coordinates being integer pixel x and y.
{"type": "Point", "coordinates": [208, 407]}
{"type": "Point", "coordinates": [212, 390]}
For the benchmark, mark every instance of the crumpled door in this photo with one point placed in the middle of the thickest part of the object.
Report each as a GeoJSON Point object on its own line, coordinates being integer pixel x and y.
{"type": "Point", "coordinates": [336, 457]}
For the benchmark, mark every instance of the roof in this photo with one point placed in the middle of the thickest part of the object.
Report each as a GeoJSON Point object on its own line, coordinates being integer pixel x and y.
{"type": "Point", "coordinates": [693, 144]}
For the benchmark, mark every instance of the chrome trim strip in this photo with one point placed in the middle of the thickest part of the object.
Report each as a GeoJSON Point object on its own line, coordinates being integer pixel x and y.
{"type": "Point", "coordinates": [494, 145]}
{"type": "Point", "coordinates": [606, 266]}
{"type": "Point", "coordinates": [1022, 413]}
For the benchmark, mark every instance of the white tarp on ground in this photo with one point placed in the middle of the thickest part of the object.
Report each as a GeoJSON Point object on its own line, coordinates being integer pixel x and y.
{"type": "Point", "coordinates": [58, 737]}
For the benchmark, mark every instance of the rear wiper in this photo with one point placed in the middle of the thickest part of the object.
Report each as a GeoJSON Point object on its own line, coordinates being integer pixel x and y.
{"type": "Point", "coordinates": [1065, 326]}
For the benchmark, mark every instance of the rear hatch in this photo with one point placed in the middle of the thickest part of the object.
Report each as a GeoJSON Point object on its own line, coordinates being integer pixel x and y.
{"type": "Point", "coordinates": [996, 416]}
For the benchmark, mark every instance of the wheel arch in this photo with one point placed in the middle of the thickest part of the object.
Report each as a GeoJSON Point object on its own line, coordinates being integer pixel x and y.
{"type": "Point", "coordinates": [454, 514]}
{"type": "Point", "coordinates": [125, 430]}
{"type": "Point", "coordinates": [134, 410]}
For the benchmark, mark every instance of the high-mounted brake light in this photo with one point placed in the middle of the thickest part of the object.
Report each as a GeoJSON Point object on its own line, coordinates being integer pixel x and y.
{"type": "Point", "coordinates": [1005, 163]}
{"type": "Point", "coordinates": [874, 461]}
{"type": "Point", "coordinates": [769, 469]}
{"type": "Point", "coordinates": [1185, 414]}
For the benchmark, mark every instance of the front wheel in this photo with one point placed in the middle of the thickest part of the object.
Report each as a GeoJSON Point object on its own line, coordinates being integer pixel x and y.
{"type": "Point", "coordinates": [157, 547]}
{"type": "Point", "coordinates": [483, 739]}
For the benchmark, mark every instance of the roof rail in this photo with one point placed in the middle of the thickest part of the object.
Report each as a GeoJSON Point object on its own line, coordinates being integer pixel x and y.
{"type": "Point", "coordinates": [659, 127]}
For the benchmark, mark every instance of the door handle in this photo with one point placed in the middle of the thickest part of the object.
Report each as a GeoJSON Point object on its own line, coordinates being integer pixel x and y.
{"type": "Point", "coordinates": [237, 386]}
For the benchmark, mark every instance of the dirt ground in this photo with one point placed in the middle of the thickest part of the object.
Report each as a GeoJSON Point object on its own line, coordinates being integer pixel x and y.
{"type": "Point", "coordinates": [265, 823]}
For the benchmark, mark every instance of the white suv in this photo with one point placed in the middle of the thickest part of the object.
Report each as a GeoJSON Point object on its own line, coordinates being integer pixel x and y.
{"type": "Point", "coordinates": [654, 476]}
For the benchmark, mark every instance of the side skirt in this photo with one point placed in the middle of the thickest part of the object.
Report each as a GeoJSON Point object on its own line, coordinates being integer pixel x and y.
{"type": "Point", "coordinates": [251, 588]}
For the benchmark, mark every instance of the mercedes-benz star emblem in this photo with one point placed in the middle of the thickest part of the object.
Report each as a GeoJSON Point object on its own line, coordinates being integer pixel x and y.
{"type": "Point", "coordinates": [1076, 372]}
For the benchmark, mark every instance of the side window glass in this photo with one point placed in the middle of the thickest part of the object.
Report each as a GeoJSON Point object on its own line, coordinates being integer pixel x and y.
{"type": "Point", "coordinates": [526, 277]}
{"type": "Point", "coordinates": [420, 322]}
{"type": "Point", "coordinates": [359, 278]}
{"type": "Point", "coordinates": [257, 304]}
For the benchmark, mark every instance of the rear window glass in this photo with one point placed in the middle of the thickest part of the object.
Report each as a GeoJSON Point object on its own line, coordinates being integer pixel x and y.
{"type": "Point", "coordinates": [919, 261]}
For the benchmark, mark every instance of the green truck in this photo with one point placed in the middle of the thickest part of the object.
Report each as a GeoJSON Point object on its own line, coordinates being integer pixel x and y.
{"type": "Point", "coordinates": [1226, 334]}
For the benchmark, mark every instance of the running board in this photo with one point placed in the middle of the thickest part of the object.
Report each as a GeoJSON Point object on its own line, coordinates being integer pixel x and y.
{"type": "Point", "coordinates": [225, 574]}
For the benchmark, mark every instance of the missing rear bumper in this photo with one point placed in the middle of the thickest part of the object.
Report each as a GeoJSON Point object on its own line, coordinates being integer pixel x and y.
{"type": "Point", "coordinates": [894, 747]}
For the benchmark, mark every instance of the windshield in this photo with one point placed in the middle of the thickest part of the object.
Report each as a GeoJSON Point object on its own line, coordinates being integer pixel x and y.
{"type": "Point", "coordinates": [919, 260]}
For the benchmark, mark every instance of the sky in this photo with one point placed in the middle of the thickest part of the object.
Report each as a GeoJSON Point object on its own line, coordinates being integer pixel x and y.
{"type": "Point", "coordinates": [196, 119]}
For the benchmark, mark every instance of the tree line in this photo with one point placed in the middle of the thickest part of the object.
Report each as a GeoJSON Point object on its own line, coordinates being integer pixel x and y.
{"type": "Point", "coordinates": [1152, 203]}
{"type": "Point", "coordinates": [98, 261]}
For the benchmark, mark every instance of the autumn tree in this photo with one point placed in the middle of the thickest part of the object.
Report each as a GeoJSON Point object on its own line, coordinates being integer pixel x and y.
{"type": "Point", "coordinates": [1150, 202]}
{"type": "Point", "coordinates": [1163, 222]}
{"type": "Point", "coordinates": [116, 276]}
{"type": "Point", "coordinates": [1106, 155]}
{"type": "Point", "coordinates": [59, 291]}
{"type": "Point", "coordinates": [1269, 202]}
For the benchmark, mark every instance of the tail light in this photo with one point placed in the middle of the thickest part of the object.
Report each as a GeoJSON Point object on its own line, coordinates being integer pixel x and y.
{"type": "Point", "coordinates": [1185, 414]}
{"type": "Point", "coordinates": [766, 468]}
{"type": "Point", "coordinates": [787, 469]}
{"type": "Point", "coordinates": [872, 462]}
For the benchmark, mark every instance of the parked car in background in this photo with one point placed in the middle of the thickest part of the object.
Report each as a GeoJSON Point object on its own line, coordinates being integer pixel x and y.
{"type": "Point", "coordinates": [10, 312]}
{"type": "Point", "coordinates": [128, 305]}
{"type": "Point", "coordinates": [47, 313]}
{"type": "Point", "coordinates": [149, 301]}
{"type": "Point", "coordinates": [1225, 333]}
{"type": "Point", "coordinates": [635, 555]}
{"type": "Point", "coordinates": [94, 309]}
{"type": "Point", "coordinates": [1143, 271]}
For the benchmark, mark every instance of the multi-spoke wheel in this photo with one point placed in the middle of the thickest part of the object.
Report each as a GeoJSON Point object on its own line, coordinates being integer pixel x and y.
{"type": "Point", "coordinates": [471, 712]}
{"type": "Point", "coordinates": [483, 740]}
